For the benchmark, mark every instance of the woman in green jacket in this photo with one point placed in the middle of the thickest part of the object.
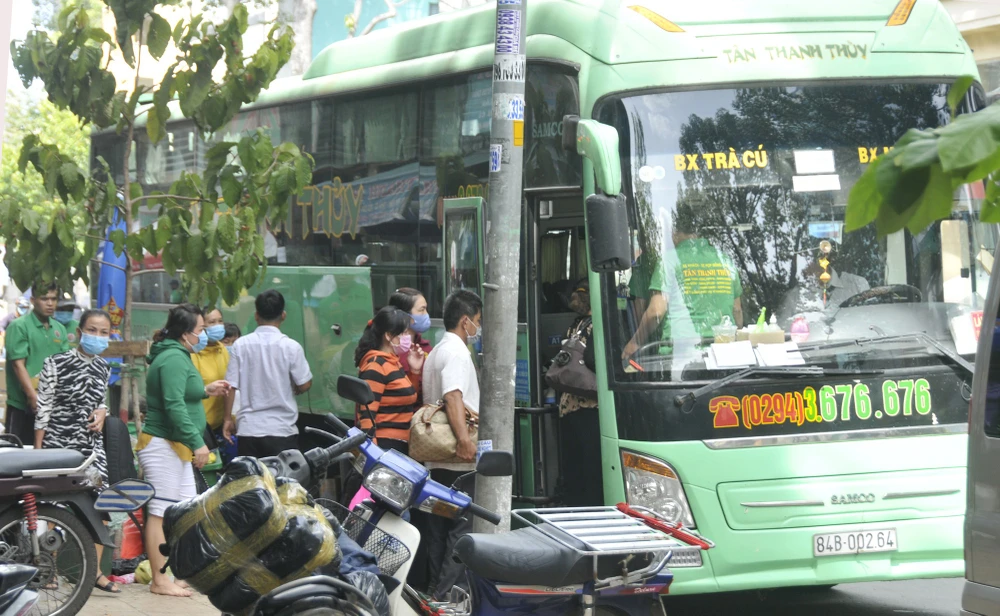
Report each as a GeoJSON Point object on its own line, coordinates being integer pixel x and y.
{"type": "Point", "coordinates": [172, 439]}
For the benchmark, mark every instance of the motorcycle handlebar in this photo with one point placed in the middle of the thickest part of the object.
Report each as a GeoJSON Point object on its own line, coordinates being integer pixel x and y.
{"type": "Point", "coordinates": [485, 514]}
{"type": "Point", "coordinates": [335, 421]}
{"type": "Point", "coordinates": [346, 445]}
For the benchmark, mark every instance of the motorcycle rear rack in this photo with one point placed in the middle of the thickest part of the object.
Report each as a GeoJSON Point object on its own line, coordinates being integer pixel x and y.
{"type": "Point", "coordinates": [605, 531]}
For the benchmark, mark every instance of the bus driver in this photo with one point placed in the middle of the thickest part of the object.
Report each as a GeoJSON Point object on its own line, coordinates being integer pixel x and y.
{"type": "Point", "coordinates": [696, 283]}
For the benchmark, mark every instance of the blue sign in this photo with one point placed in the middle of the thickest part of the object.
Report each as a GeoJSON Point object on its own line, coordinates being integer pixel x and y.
{"type": "Point", "coordinates": [522, 386]}
{"type": "Point", "coordinates": [111, 288]}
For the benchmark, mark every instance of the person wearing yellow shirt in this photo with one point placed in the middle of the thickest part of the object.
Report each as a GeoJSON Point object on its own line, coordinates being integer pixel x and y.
{"type": "Point", "coordinates": [212, 362]}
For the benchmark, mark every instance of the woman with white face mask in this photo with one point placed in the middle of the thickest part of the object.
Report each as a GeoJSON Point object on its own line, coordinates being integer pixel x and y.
{"type": "Point", "coordinates": [71, 403]}
{"type": "Point", "coordinates": [413, 347]}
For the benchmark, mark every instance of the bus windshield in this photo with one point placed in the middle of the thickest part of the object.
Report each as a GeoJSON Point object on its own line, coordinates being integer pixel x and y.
{"type": "Point", "coordinates": [737, 201]}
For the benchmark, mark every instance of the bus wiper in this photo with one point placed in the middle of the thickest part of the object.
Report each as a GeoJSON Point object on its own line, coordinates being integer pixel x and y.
{"type": "Point", "coordinates": [685, 401]}
{"type": "Point", "coordinates": [924, 337]}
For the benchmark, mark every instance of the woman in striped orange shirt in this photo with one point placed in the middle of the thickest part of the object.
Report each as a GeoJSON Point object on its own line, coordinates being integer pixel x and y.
{"type": "Point", "coordinates": [377, 359]}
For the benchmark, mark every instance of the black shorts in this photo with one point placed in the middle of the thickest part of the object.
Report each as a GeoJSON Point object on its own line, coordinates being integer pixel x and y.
{"type": "Point", "coordinates": [21, 424]}
{"type": "Point", "coordinates": [264, 446]}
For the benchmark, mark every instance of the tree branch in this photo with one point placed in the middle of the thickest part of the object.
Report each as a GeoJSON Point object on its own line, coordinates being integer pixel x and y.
{"type": "Point", "coordinates": [177, 197]}
{"type": "Point", "coordinates": [100, 262]}
{"type": "Point", "coordinates": [384, 16]}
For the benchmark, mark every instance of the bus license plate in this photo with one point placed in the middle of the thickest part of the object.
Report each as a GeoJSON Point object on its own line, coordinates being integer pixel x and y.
{"type": "Point", "coordinates": [857, 542]}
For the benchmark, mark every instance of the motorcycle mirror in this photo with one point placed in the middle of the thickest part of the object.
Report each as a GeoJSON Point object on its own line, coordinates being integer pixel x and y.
{"type": "Point", "coordinates": [495, 464]}
{"type": "Point", "coordinates": [124, 496]}
{"type": "Point", "coordinates": [354, 389]}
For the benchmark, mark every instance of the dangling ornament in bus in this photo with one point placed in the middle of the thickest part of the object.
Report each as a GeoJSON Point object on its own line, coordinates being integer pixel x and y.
{"type": "Point", "coordinates": [825, 247]}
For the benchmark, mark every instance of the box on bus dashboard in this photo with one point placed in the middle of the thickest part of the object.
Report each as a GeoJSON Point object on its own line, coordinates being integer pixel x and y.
{"type": "Point", "coordinates": [740, 129]}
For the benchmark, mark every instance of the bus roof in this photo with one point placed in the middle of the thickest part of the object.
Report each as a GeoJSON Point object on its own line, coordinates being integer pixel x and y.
{"type": "Point", "coordinates": [616, 32]}
{"type": "Point", "coordinates": [611, 33]}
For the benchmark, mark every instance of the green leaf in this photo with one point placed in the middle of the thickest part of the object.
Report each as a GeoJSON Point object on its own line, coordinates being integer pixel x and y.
{"type": "Point", "coordinates": [164, 230]}
{"type": "Point", "coordinates": [232, 189]}
{"type": "Point", "coordinates": [147, 236]}
{"type": "Point", "coordinates": [207, 213]}
{"type": "Point", "coordinates": [194, 251]}
{"type": "Point", "coordinates": [990, 211]}
{"type": "Point", "coordinates": [247, 153]}
{"type": "Point", "coordinates": [918, 154]}
{"type": "Point", "coordinates": [864, 201]}
{"type": "Point", "coordinates": [117, 238]}
{"type": "Point", "coordinates": [935, 203]}
{"type": "Point", "coordinates": [957, 92]}
{"type": "Point", "coordinates": [971, 139]}
{"type": "Point", "coordinates": [227, 233]}
{"type": "Point", "coordinates": [158, 36]}
{"type": "Point", "coordinates": [133, 246]}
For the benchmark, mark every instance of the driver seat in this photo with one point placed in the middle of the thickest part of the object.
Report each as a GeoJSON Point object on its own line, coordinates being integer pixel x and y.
{"type": "Point", "coordinates": [533, 558]}
{"type": "Point", "coordinates": [13, 461]}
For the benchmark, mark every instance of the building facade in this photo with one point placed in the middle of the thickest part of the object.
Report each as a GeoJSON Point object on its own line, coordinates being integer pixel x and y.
{"type": "Point", "coordinates": [979, 22]}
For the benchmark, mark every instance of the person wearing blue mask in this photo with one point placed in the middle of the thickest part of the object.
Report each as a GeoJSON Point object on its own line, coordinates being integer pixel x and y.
{"type": "Point", "coordinates": [173, 436]}
{"type": "Point", "coordinates": [64, 314]}
{"type": "Point", "coordinates": [413, 348]}
{"type": "Point", "coordinates": [21, 308]}
{"type": "Point", "coordinates": [72, 388]}
{"type": "Point", "coordinates": [212, 362]}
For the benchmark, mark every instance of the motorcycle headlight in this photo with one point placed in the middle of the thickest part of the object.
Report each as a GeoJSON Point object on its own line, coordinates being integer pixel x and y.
{"type": "Point", "coordinates": [653, 484]}
{"type": "Point", "coordinates": [390, 486]}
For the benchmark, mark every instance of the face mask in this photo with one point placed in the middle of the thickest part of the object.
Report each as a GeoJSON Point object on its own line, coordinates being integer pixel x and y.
{"type": "Point", "coordinates": [476, 338]}
{"type": "Point", "coordinates": [216, 332]}
{"type": "Point", "coordinates": [21, 311]}
{"type": "Point", "coordinates": [63, 316]}
{"type": "Point", "coordinates": [405, 342]}
{"type": "Point", "coordinates": [421, 322]}
{"type": "Point", "coordinates": [202, 343]}
{"type": "Point", "coordinates": [93, 345]}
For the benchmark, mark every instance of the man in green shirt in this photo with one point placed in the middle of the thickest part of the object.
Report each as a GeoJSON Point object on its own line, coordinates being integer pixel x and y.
{"type": "Point", "coordinates": [30, 340]}
{"type": "Point", "coordinates": [694, 288]}
{"type": "Point", "coordinates": [64, 314]}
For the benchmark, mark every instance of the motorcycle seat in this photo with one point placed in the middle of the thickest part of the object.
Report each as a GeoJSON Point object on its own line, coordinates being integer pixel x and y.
{"type": "Point", "coordinates": [14, 460]}
{"type": "Point", "coordinates": [533, 558]}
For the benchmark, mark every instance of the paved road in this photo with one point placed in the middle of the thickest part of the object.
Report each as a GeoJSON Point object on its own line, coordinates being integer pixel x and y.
{"type": "Point", "coordinates": [919, 597]}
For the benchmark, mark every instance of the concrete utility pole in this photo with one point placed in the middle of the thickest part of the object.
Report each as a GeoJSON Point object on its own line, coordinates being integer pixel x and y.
{"type": "Point", "coordinates": [503, 251]}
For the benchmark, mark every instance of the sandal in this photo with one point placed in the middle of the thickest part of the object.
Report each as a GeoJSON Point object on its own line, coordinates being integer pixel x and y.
{"type": "Point", "coordinates": [111, 587]}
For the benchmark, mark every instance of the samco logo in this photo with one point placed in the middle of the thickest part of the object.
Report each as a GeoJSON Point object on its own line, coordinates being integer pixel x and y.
{"type": "Point", "coordinates": [852, 499]}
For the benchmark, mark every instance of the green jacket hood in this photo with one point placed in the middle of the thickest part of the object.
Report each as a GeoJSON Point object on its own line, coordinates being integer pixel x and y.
{"type": "Point", "coordinates": [163, 346]}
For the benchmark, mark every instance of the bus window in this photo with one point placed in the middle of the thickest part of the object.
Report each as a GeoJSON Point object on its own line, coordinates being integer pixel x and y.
{"type": "Point", "coordinates": [737, 207]}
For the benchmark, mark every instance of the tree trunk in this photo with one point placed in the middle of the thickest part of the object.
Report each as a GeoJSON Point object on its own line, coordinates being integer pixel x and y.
{"type": "Point", "coordinates": [298, 14]}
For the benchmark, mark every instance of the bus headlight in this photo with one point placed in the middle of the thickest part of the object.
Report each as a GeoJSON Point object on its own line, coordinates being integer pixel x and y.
{"type": "Point", "coordinates": [390, 486]}
{"type": "Point", "coordinates": [653, 484]}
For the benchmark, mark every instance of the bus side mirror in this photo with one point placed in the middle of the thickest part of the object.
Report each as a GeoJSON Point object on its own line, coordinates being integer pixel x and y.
{"type": "Point", "coordinates": [608, 234]}
{"type": "Point", "coordinates": [598, 143]}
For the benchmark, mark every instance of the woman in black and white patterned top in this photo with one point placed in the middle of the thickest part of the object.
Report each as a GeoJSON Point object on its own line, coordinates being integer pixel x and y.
{"type": "Point", "coordinates": [71, 403]}
{"type": "Point", "coordinates": [71, 395]}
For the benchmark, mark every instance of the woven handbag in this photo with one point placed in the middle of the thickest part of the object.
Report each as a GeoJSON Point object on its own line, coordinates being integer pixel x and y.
{"type": "Point", "coordinates": [431, 436]}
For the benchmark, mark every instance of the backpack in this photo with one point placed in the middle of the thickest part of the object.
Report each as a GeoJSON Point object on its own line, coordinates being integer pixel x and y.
{"type": "Point", "coordinates": [118, 449]}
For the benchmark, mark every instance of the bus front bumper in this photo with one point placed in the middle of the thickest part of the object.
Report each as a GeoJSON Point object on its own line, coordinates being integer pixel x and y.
{"type": "Point", "coordinates": [760, 559]}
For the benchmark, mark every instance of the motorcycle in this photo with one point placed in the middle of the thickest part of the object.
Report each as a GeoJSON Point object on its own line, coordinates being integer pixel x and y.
{"type": "Point", "coordinates": [51, 518]}
{"type": "Point", "coordinates": [593, 560]}
{"type": "Point", "coordinates": [16, 599]}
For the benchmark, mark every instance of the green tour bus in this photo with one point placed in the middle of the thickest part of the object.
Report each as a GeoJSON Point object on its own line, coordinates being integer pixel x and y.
{"type": "Point", "coordinates": [797, 393]}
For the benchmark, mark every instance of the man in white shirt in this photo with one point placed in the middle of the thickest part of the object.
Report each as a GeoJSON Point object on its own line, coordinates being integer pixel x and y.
{"type": "Point", "coordinates": [450, 376]}
{"type": "Point", "coordinates": [268, 369]}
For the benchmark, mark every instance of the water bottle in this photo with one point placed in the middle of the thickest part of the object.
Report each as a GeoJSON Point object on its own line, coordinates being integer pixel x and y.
{"type": "Point", "coordinates": [550, 396]}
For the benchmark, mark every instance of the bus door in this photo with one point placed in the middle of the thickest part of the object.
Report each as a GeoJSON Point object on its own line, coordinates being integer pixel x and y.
{"type": "Point", "coordinates": [555, 259]}
{"type": "Point", "coordinates": [464, 268]}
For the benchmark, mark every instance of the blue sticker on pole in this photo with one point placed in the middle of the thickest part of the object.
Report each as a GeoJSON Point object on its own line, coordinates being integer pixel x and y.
{"type": "Point", "coordinates": [508, 31]}
{"type": "Point", "coordinates": [508, 2]}
{"type": "Point", "coordinates": [508, 107]}
{"type": "Point", "coordinates": [496, 152]}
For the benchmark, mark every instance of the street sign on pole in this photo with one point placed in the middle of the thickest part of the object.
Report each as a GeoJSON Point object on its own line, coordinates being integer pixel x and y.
{"type": "Point", "coordinates": [502, 252]}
